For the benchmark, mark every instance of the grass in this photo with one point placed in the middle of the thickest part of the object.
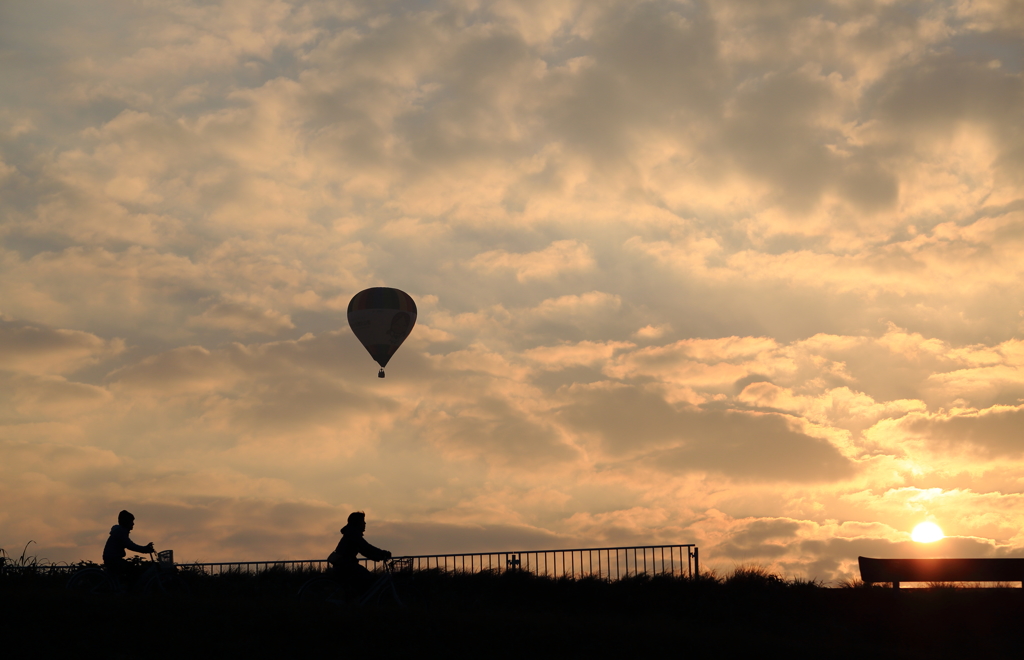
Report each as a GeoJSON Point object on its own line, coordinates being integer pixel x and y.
{"type": "Point", "coordinates": [24, 561]}
{"type": "Point", "coordinates": [511, 614]}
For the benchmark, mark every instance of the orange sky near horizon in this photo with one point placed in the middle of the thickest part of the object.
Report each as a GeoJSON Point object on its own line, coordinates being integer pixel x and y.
{"type": "Point", "coordinates": [745, 275]}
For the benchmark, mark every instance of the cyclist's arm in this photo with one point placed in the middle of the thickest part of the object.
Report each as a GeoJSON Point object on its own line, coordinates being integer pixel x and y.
{"type": "Point", "coordinates": [138, 548]}
{"type": "Point", "coordinates": [371, 552]}
{"type": "Point", "coordinates": [119, 541]}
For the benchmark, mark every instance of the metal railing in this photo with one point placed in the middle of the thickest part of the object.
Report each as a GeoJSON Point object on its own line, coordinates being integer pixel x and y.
{"type": "Point", "coordinates": [9, 567]}
{"type": "Point", "coordinates": [253, 567]}
{"type": "Point", "coordinates": [607, 563]}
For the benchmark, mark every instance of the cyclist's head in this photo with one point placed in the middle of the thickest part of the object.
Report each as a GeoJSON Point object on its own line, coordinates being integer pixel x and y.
{"type": "Point", "coordinates": [125, 518]}
{"type": "Point", "coordinates": [357, 517]}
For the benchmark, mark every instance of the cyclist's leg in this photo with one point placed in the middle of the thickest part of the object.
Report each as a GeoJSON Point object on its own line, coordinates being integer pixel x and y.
{"type": "Point", "coordinates": [356, 581]}
{"type": "Point", "coordinates": [120, 571]}
{"type": "Point", "coordinates": [365, 579]}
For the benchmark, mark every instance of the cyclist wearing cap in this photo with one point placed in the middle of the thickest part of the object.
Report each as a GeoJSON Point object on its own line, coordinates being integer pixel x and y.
{"type": "Point", "coordinates": [118, 542]}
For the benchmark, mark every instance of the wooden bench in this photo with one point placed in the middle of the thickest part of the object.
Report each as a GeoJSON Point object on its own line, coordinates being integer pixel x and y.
{"type": "Point", "coordinates": [1010, 569]}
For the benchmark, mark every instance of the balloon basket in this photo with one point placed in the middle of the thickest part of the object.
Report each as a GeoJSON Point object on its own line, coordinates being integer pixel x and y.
{"type": "Point", "coordinates": [380, 374]}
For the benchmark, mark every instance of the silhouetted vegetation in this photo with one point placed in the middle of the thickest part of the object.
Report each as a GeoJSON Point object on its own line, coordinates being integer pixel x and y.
{"type": "Point", "coordinates": [515, 613]}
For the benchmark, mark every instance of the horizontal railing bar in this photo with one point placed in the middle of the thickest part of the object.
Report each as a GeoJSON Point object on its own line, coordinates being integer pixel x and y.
{"type": "Point", "coordinates": [251, 563]}
{"type": "Point", "coordinates": [537, 552]}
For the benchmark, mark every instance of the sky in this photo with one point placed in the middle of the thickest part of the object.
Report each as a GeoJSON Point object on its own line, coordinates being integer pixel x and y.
{"type": "Point", "coordinates": [734, 273]}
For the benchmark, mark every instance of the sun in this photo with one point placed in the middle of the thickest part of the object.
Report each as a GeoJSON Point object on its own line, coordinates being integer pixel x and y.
{"type": "Point", "coordinates": [927, 532]}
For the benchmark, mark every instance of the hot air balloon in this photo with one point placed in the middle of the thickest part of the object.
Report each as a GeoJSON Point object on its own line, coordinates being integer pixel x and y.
{"type": "Point", "coordinates": [381, 319]}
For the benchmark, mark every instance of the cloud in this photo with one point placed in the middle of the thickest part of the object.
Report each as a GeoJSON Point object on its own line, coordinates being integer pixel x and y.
{"type": "Point", "coordinates": [741, 445]}
{"type": "Point", "coordinates": [242, 319]}
{"type": "Point", "coordinates": [701, 363]}
{"type": "Point", "coordinates": [185, 369]}
{"type": "Point", "coordinates": [840, 406]}
{"type": "Point", "coordinates": [495, 432]}
{"type": "Point", "coordinates": [28, 397]}
{"type": "Point", "coordinates": [576, 308]}
{"type": "Point", "coordinates": [651, 331]}
{"type": "Point", "coordinates": [581, 353]}
{"type": "Point", "coordinates": [39, 350]}
{"type": "Point", "coordinates": [749, 447]}
{"type": "Point", "coordinates": [280, 390]}
{"type": "Point", "coordinates": [547, 263]}
{"type": "Point", "coordinates": [994, 432]}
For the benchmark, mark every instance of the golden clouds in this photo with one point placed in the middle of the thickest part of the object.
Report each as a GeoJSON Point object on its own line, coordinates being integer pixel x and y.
{"type": "Point", "coordinates": [243, 319]}
{"type": "Point", "coordinates": [38, 350]}
{"type": "Point", "coordinates": [544, 264]}
{"type": "Point", "coordinates": [740, 273]}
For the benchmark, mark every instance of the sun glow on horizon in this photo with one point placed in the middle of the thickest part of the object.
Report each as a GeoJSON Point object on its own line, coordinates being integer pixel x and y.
{"type": "Point", "coordinates": [927, 532]}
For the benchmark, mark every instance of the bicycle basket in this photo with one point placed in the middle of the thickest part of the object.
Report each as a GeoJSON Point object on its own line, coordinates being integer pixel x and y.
{"type": "Point", "coordinates": [401, 565]}
{"type": "Point", "coordinates": [166, 558]}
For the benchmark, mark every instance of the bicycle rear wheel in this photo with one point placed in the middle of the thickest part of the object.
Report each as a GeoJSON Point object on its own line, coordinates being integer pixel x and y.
{"type": "Point", "coordinates": [321, 589]}
{"type": "Point", "coordinates": [92, 581]}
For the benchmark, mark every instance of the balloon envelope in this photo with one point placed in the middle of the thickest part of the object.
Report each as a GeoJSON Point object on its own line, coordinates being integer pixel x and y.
{"type": "Point", "coordinates": [381, 319]}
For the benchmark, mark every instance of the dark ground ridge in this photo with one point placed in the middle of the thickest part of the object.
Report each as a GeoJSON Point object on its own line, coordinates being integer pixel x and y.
{"type": "Point", "coordinates": [512, 615]}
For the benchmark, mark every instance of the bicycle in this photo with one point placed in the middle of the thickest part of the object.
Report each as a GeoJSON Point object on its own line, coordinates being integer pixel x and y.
{"type": "Point", "coordinates": [330, 588]}
{"type": "Point", "coordinates": [161, 577]}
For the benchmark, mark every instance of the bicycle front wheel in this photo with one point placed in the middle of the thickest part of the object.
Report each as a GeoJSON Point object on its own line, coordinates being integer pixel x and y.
{"type": "Point", "coordinates": [92, 581]}
{"type": "Point", "coordinates": [321, 589]}
{"type": "Point", "coordinates": [382, 593]}
{"type": "Point", "coordinates": [170, 584]}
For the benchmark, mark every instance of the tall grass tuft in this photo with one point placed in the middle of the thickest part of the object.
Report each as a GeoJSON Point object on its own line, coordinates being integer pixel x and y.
{"type": "Point", "coordinates": [24, 561]}
{"type": "Point", "coordinates": [755, 577]}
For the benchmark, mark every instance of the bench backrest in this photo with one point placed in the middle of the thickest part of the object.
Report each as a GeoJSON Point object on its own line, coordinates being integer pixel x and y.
{"type": "Point", "coordinates": [1010, 569]}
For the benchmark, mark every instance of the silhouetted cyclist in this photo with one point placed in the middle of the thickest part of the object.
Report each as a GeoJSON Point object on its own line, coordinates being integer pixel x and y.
{"type": "Point", "coordinates": [117, 543]}
{"type": "Point", "coordinates": [352, 543]}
